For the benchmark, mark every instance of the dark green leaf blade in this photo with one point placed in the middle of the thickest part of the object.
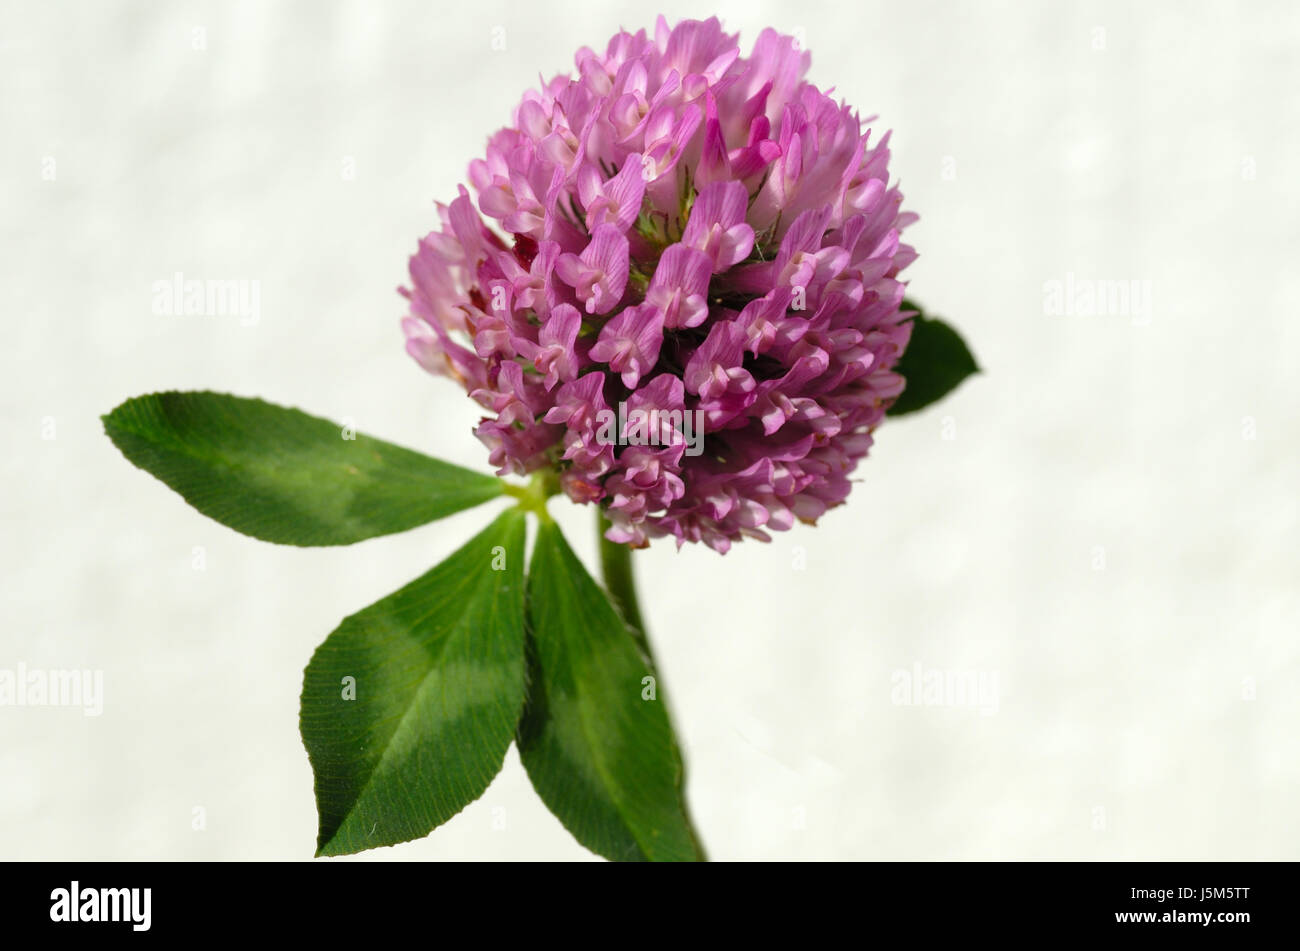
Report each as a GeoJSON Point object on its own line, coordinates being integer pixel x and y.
{"type": "Point", "coordinates": [603, 759]}
{"type": "Point", "coordinates": [934, 364]}
{"type": "Point", "coordinates": [437, 685]}
{"type": "Point", "coordinates": [282, 476]}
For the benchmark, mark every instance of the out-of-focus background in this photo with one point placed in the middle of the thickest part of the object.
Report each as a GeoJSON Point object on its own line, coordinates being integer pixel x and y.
{"type": "Point", "coordinates": [1101, 529]}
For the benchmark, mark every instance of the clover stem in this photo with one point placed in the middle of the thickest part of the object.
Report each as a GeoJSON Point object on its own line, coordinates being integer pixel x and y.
{"type": "Point", "coordinates": [616, 573]}
{"type": "Point", "coordinates": [532, 497]}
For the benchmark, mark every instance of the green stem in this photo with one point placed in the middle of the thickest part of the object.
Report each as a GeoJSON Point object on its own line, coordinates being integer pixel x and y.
{"type": "Point", "coordinates": [532, 497]}
{"type": "Point", "coordinates": [616, 573]}
{"type": "Point", "coordinates": [620, 584]}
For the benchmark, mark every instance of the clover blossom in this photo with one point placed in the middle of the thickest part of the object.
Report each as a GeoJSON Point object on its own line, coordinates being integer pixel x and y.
{"type": "Point", "coordinates": [685, 230]}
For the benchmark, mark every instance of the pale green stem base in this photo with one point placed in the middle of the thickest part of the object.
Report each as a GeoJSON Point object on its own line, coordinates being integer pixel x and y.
{"type": "Point", "coordinates": [616, 573]}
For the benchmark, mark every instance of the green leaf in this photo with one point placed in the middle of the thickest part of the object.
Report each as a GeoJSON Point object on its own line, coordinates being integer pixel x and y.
{"type": "Point", "coordinates": [408, 708]}
{"type": "Point", "coordinates": [934, 363]}
{"type": "Point", "coordinates": [602, 758]}
{"type": "Point", "coordinates": [282, 476]}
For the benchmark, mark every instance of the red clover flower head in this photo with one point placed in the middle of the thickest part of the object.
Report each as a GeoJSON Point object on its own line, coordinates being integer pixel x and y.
{"type": "Point", "coordinates": [678, 286]}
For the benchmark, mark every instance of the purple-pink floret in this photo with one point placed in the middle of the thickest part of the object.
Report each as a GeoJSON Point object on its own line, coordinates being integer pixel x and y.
{"type": "Point", "coordinates": [678, 228]}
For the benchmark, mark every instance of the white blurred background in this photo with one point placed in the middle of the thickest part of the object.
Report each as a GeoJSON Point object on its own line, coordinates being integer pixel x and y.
{"type": "Point", "coordinates": [1105, 520]}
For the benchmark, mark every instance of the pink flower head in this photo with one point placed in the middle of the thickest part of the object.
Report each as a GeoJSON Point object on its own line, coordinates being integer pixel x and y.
{"type": "Point", "coordinates": [678, 228]}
